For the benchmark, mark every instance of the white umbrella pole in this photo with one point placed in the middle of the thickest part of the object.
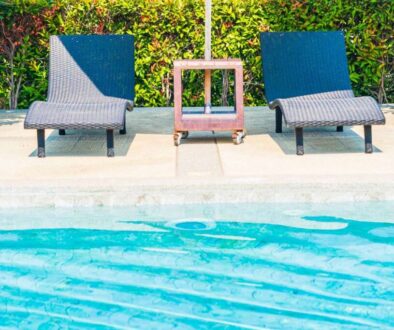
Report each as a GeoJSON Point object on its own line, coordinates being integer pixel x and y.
{"type": "Point", "coordinates": [207, 82]}
{"type": "Point", "coordinates": [208, 18]}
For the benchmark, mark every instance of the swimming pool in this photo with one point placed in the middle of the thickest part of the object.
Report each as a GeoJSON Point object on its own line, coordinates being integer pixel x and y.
{"type": "Point", "coordinates": [327, 266]}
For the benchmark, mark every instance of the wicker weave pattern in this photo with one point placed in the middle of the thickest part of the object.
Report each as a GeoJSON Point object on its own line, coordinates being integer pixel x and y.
{"type": "Point", "coordinates": [336, 111]}
{"type": "Point", "coordinates": [90, 84]}
{"type": "Point", "coordinates": [303, 63]}
{"type": "Point", "coordinates": [306, 77]}
{"type": "Point", "coordinates": [44, 115]}
{"type": "Point", "coordinates": [317, 97]}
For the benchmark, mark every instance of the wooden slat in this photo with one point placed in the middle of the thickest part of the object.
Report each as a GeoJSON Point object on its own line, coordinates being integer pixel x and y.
{"type": "Point", "coordinates": [219, 116]}
{"type": "Point", "coordinates": [203, 64]}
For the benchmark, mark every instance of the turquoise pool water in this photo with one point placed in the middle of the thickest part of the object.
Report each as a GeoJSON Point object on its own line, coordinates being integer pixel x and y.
{"type": "Point", "coordinates": [214, 267]}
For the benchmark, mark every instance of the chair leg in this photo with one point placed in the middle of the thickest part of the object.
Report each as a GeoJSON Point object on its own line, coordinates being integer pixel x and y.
{"type": "Point", "coordinates": [339, 128]}
{"type": "Point", "coordinates": [110, 143]}
{"type": "Point", "coordinates": [62, 132]}
{"type": "Point", "coordinates": [41, 143]}
{"type": "Point", "coordinates": [368, 139]}
{"type": "Point", "coordinates": [123, 131]}
{"type": "Point", "coordinates": [299, 133]}
{"type": "Point", "coordinates": [278, 120]}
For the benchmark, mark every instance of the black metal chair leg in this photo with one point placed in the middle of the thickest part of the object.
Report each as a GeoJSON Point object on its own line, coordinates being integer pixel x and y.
{"type": "Point", "coordinates": [278, 120]}
{"type": "Point", "coordinates": [41, 143]}
{"type": "Point", "coordinates": [110, 143]}
{"type": "Point", "coordinates": [299, 132]}
{"type": "Point", "coordinates": [368, 139]}
{"type": "Point", "coordinates": [339, 128]}
{"type": "Point", "coordinates": [62, 132]}
{"type": "Point", "coordinates": [123, 130]}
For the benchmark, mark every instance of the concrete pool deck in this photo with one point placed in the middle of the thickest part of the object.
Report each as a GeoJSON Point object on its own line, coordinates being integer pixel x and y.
{"type": "Point", "coordinates": [206, 168]}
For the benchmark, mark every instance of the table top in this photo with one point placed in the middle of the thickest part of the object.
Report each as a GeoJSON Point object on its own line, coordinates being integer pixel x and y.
{"type": "Point", "coordinates": [230, 63]}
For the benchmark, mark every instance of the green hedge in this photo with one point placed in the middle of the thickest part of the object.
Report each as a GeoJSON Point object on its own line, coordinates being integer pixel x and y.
{"type": "Point", "coordinates": [170, 29]}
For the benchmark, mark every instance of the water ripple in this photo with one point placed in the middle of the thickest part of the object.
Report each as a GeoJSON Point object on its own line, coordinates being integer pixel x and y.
{"type": "Point", "coordinates": [232, 276]}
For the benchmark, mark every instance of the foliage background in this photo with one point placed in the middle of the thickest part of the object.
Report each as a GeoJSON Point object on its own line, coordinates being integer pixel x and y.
{"type": "Point", "coordinates": [171, 29]}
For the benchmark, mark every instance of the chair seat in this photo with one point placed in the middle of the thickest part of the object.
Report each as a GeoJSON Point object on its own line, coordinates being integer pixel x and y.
{"type": "Point", "coordinates": [105, 115]}
{"type": "Point", "coordinates": [312, 111]}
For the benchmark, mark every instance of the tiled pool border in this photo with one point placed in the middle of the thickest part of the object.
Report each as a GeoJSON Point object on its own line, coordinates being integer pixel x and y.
{"type": "Point", "coordinates": [237, 191]}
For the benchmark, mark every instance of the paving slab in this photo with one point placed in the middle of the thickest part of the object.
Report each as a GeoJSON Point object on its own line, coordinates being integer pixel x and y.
{"type": "Point", "coordinates": [206, 168]}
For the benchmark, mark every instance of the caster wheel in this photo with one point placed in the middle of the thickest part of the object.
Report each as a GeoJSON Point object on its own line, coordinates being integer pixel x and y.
{"type": "Point", "coordinates": [185, 135]}
{"type": "Point", "coordinates": [177, 139]}
{"type": "Point", "coordinates": [238, 137]}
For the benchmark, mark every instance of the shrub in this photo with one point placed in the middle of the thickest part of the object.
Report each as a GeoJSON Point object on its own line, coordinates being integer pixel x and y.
{"type": "Point", "coordinates": [166, 30]}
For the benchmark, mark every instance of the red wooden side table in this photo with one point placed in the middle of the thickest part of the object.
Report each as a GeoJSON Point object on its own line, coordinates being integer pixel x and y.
{"type": "Point", "coordinates": [185, 122]}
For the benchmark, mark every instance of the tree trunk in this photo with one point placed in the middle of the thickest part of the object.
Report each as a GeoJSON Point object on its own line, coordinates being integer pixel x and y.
{"type": "Point", "coordinates": [225, 90]}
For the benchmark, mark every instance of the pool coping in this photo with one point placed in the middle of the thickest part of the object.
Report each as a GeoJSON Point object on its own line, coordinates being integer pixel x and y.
{"type": "Point", "coordinates": [236, 190]}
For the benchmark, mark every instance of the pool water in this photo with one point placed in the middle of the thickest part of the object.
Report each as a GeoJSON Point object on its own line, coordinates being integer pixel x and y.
{"type": "Point", "coordinates": [291, 268]}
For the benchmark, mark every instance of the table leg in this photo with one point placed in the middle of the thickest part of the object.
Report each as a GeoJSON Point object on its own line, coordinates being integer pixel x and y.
{"type": "Point", "coordinates": [207, 91]}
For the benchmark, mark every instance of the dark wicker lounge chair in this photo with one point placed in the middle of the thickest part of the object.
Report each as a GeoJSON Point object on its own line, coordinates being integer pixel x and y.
{"type": "Point", "coordinates": [91, 84]}
{"type": "Point", "coordinates": [307, 82]}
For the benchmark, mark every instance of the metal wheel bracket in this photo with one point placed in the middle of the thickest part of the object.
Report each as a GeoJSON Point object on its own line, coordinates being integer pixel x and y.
{"type": "Point", "coordinates": [238, 137]}
{"type": "Point", "coordinates": [177, 138]}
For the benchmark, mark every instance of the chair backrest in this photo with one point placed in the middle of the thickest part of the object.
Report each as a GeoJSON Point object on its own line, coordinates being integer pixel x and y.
{"type": "Point", "coordinates": [303, 63]}
{"type": "Point", "coordinates": [85, 68]}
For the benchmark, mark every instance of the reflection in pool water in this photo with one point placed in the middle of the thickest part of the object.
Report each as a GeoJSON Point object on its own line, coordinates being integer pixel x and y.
{"type": "Point", "coordinates": [229, 275]}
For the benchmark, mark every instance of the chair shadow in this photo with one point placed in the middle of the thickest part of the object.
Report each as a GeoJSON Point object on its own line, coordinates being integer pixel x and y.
{"type": "Point", "coordinates": [322, 141]}
{"type": "Point", "coordinates": [85, 143]}
{"type": "Point", "coordinates": [8, 122]}
{"type": "Point", "coordinates": [92, 143]}
{"type": "Point", "coordinates": [317, 140]}
{"type": "Point", "coordinates": [14, 118]}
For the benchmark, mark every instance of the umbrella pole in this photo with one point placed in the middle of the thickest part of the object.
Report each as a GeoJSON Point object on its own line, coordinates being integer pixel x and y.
{"type": "Point", "coordinates": [207, 80]}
